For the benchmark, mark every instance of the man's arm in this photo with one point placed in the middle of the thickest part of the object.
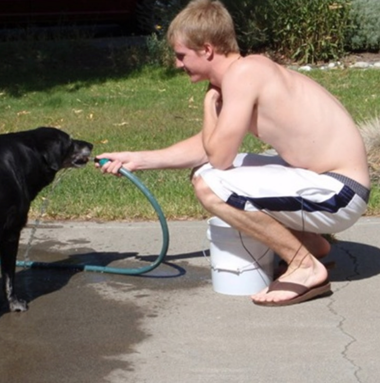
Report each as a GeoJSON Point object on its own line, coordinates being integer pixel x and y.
{"type": "Point", "coordinates": [188, 153]}
{"type": "Point", "coordinates": [224, 133]}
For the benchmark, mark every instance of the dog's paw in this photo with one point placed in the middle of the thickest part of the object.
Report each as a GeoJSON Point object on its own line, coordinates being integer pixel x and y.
{"type": "Point", "coordinates": [18, 305]}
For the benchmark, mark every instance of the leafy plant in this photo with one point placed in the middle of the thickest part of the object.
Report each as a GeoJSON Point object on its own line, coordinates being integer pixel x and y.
{"type": "Point", "coordinates": [251, 31]}
{"type": "Point", "coordinates": [365, 30]}
{"type": "Point", "coordinates": [159, 51]}
{"type": "Point", "coordinates": [307, 31]}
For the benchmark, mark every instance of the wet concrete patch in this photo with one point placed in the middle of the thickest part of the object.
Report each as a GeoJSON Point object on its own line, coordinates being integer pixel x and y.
{"type": "Point", "coordinates": [67, 336]}
{"type": "Point", "coordinates": [81, 326]}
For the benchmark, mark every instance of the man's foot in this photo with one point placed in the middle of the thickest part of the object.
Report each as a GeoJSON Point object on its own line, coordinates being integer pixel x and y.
{"type": "Point", "coordinates": [298, 284]}
{"type": "Point", "coordinates": [303, 293]}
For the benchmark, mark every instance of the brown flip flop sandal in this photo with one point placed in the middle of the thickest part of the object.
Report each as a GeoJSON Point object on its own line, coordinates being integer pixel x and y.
{"type": "Point", "coordinates": [304, 293]}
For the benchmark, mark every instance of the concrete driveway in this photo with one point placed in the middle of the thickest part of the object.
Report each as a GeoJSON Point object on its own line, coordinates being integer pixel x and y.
{"type": "Point", "coordinates": [169, 326]}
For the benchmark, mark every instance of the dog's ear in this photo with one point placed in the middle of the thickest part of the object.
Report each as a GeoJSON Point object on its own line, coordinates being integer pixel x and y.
{"type": "Point", "coordinates": [50, 157]}
{"type": "Point", "coordinates": [53, 145]}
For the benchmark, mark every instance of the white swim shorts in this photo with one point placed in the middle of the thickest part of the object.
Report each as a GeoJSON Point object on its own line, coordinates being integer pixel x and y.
{"type": "Point", "coordinates": [300, 199]}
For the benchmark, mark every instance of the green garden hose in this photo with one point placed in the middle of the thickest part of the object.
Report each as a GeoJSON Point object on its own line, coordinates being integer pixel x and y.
{"type": "Point", "coordinates": [116, 270]}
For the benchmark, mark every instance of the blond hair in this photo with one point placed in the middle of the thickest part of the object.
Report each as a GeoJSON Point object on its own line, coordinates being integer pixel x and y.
{"type": "Point", "coordinates": [204, 21]}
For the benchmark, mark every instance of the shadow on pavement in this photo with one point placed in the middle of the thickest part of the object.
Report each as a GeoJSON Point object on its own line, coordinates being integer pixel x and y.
{"type": "Point", "coordinates": [354, 261]}
{"type": "Point", "coordinates": [48, 277]}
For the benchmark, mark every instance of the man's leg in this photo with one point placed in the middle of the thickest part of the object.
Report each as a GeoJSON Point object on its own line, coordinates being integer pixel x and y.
{"type": "Point", "coordinates": [315, 243]}
{"type": "Point", "coordinates": [304, 269]}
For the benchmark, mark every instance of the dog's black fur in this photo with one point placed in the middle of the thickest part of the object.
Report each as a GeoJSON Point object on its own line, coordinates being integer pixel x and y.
{"type": "Point", "coordinates": [29, 161]}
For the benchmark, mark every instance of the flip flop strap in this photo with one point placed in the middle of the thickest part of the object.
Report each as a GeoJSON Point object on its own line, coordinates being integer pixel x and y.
{"type": "Point", "coordinates": [288, 286]}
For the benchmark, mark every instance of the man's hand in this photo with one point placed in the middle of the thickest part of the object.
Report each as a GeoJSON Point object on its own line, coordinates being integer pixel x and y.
{"type": "Point", "coordinates": [116, 161]}
{"type": "Point", "coordinates": [214, 98]}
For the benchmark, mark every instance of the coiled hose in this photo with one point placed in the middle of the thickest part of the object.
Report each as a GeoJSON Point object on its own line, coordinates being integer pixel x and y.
{"type": "Point", "coordinates": [117, 270]}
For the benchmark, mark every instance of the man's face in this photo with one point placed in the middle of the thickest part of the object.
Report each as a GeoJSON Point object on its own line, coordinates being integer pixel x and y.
{"type": "Point", "coordinates": [194, 63]}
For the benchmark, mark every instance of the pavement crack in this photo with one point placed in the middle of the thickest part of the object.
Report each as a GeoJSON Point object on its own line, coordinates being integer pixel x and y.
{"type": "Point", "coordinates": [351, 338]}
{"type": "Point", "coordinates": [343, 319]}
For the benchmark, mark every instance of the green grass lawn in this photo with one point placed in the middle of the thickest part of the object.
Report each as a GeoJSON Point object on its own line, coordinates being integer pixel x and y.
{"type": "Point", "coordinates": [98, 96]}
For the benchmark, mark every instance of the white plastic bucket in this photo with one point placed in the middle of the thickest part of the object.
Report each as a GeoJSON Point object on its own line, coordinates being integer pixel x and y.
{"type": "Point", "coordinates": [240, 265]}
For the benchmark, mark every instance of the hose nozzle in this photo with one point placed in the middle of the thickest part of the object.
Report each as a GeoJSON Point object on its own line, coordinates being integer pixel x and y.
{"type": "Point", "coordinates": [100, 161]}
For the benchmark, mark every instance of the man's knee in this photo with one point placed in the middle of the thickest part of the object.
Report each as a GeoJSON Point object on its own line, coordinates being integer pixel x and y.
{"type": "Point", "coordinates": [200, 187]}
{"type": "Point", "coordinates": [203, 192]}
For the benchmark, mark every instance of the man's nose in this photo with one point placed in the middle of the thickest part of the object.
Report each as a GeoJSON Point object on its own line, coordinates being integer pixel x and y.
{"type": "Point", "coordinates": [178, 63]}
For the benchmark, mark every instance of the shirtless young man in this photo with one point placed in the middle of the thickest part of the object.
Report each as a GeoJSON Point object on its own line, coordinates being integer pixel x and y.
{"type": "Point", "coordinates": [318, 183]}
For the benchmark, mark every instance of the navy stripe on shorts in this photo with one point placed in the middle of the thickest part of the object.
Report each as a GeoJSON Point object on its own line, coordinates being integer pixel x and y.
{"type": "Point", "coordinates": [294, 203]}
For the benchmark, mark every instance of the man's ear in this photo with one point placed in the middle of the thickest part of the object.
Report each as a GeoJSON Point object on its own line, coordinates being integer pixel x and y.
{"type": "Point", "coordinates": [209, 51]}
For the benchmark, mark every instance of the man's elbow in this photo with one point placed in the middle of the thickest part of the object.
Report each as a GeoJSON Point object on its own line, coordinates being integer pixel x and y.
{"type": "Point", "coordinates": [220, 163]}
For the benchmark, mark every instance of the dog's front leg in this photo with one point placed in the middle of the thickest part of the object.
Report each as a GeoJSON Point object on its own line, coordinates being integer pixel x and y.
{"type": "Point", "coordinates": [8, 252]}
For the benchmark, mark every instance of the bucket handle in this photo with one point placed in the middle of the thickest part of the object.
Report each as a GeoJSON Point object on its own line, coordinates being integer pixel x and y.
{"type": "Point", "coordinates": [207, 257]}
{"type": "Point", "coordinates": [241, 269]}
{"type": "Point", "coordinates": [236, 270]}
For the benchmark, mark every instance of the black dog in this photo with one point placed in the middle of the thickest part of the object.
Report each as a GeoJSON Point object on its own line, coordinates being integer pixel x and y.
{"type": "Point", "coordinates": [29, 161]}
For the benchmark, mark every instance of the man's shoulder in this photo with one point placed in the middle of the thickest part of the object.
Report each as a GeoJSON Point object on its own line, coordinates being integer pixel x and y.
{"type": "Point", "coordinates": [258, 65]}
{"type": "Point", "coordinates": [259, 60]}
{"type": "Point", "coordinates": [250, 75]}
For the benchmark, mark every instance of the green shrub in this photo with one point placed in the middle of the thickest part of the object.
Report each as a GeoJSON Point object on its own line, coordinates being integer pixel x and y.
{"type": "Point", "coordinates": [365, 32]}
{"type": "Point", "coordinates": [307, 31]}
{"type": "Point", "coordinates": [159, 52]}
{"type": "Point", "coordinates": [301, 30]}
{"type": "Point", "coordinates": [250, 26]}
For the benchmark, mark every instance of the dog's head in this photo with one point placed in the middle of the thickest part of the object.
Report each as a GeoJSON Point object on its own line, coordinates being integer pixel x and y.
{"type": "Point", "coordinates": [59, 150]}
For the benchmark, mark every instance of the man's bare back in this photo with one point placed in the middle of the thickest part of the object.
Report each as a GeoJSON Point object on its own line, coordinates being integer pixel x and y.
{"type": "Point", "coordinates": [306, 125]}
